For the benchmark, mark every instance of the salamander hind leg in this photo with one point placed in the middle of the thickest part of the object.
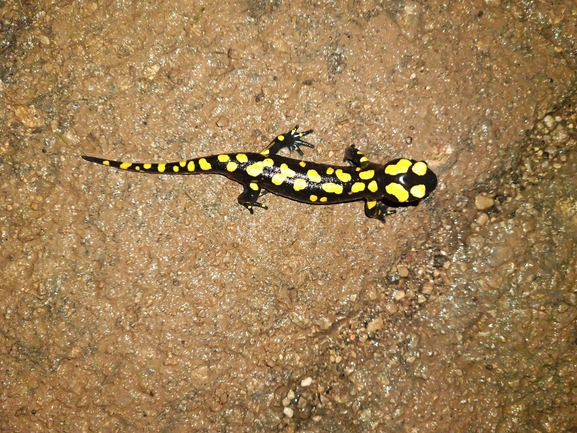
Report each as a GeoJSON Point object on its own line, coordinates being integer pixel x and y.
{"type": "Point", "coordinates": [250, 194]}
{"type": "Point", "coordinates": [355, 157]}
{"type": "Point", "coordinates": [378, 210]}
{"type": "Point", "coordinates": [291, 140]}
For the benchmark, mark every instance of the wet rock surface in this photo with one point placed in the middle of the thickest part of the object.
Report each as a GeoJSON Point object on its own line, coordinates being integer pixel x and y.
{"type": "Point", "coordinates": [156, 303]}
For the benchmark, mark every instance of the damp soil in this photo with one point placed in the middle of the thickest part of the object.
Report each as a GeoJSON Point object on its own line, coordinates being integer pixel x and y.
{"type": "Point", "coordinates": [143, 303]}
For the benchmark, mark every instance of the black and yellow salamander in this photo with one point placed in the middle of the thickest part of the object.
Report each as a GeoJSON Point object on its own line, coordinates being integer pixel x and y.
{"type": "Point", "coordinates": [398, 182]}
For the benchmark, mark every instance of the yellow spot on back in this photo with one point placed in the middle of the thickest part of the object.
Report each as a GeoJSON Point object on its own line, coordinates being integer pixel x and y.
{"type": "Point", "coordinates": [265, 152]}
{"type": "Point", "coordinates": [366, 175]}
{"type": "Point", "coordinates": [332, 187]}
{"type": "Point", "coordinates": [323, 200]}
{"type": "Point", "coordinates": [330, 170]}
{"type": "Point", "coordinates": [303, 164]}
{"type": "Point", "coordinates": [241, 157]}
{"type": "Point", "coordinates": [278, 178]}
{"type": "Point", "coordinates": [146, 166]}
{"type": "Point", "coordinates": [204, 164]}
{"type": "Point", "coordinates": [313, 198]}
{"type": "Point", "coordinates": [161, 168]}
{"type": "Point", "coordinates": [182, 163]}
{"type": "Point", "coordinates": [314, 176]}
{"type": "Point", "coordinates": [280, 138]}
{"type": "Point", "coordinates": [231, 166]}
{"type": "Point", "coordinates": [299, 184]}
{"type": "Point", "coordinates": [398, 191]}
{"type": "Point", "coordinates": [342, 176]}
{"type": "Point", "coordinates": [418, 191]}
{"type": "Point", "coordinates": [363, 159]}
{"type": "Point", "coordinates": [105, 162]}
{"type": "Point", "coordinates": [255, 169]}
{"type": "Point", "coordinates": [253, 186]}
{"type": "Point", "coordinates": [125, 165]}
{"type": "Point", "coordinates": [190, 166]}
{"type": "Point", "coordinates": [373, 187]}
{"type": "Point", "coordinates": [267, 162]}
{"type": "Point", "coordinates": [419, 168]}
{"type": "Point", "coordinates": [175, 168]}
{"type": "Point", "coordinates": [223, 158]}
{"type": "Point", "coordinates": [358, 187]}
{"type": "Point", "coordinates": [284, 169]}
{"type": "Point", "coordinates": [399, 168]}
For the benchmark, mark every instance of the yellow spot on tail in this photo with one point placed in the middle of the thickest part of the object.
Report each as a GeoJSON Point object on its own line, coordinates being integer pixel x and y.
{"type": "Point", "coordinates": [278, 178]}
{"type": "Point", "coordinates": [299, 184]}
{"type": "Point", "coordinates": [330, 171]}
{"type": "Point", "coordinates": [231, 166]}
{"type": "Point", "coordinates": [253, 186]}
{"type": "Point", "coordinates": [419, 191]}
{"type": "Point", "coordinates": [373, 187]}
{"type": "Point", "coordinates": [182, 163]}
{"type": "Point", "coordinates": [313, 198]}
{"type": "Point", "coordinates": [175, 168]}
{"type": "Point", "coordinates": [371, 204]}
{"type": "Point", "coordinates": [125, 165]}
{"type": "Point", "coordinates": [204, 164]}
{"type": "Point", "coordinates": [419, 168]}
{"type": "Point", "coordinates": [358, 187]}
{"type": "Point", "coordinates": [146, 166]}
{"type": "Point", "coordinates": [366, 175]}
{"type": "Point", "coordinates": [303, 164]}
{"type": "Point", "coordinates": [323, 200]}
{"type": "Point", "coordinates": [332, 187]}
{"type": "Point", "coordinates": [105, 162]}
{"type": "Point", "coordinates": [241, 157]}
{"type": "Point", "coordinates": [223, 158]}
{"type": "Point", "coordinates": [280, 138]}
{"type": "Point", "coordinates": [265, 152]}
{"type": "Point", "coordinates": [284, 169]}
{"type": "Point", "coordinates": [137, 168]}
{"type": "Point", "coordinates": [342, 176]}
{"type": "Point", "coordinates": [161, 168]}
{"type": "Point", "coordinates": [190, 166]}
{"type": "Point", "coordinates": [314, 176]}
{"type": "Point", "coordinates": [398, 191]}
{"type": "Point", "coordinates": [401, 167]}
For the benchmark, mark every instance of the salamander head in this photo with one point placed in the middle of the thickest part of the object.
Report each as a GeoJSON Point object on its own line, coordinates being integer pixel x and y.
{"type": "Point", "coordinates": [408, 181]}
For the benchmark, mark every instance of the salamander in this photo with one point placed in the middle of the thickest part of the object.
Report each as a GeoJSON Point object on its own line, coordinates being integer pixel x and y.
{"type": "Point", "coordinates": [396, 183]}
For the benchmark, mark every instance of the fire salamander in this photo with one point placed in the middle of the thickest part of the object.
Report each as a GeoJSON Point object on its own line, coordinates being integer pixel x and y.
{"type": "Point", "coordinates": [398, 182]}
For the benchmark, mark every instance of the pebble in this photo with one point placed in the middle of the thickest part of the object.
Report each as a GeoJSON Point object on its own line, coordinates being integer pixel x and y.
{"type": "Point", "coordinates": [549, 121]}
{"type": "Point", "coordinates": [375, 325]}
{"type": "Point", "coordinates": [482, 202]}
{"type": "Point", "coordinates": [403, 271]}
{"type": "Point", "coordinates": [482, 219]}
{"type": "Point", "coordinates": [306, 382]}
{"type": "Point", "coordinates": [399, 294]}
{"type": "Point", "coordinates": [288, 412]}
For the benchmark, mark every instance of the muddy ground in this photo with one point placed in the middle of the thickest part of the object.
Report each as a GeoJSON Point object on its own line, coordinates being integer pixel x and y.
{"type": "Point", "coordinates": [140, 303]}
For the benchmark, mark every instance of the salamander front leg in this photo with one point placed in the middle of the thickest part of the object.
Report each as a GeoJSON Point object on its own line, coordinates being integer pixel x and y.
{"type": "Point", "coordinates": [355, 157]}
{"type": "Point", "coordinates": [378, 210]}
{"type": "Point", "coordinates": [291, 140]}
{"type": "Point", "coordinates": [248, 197]}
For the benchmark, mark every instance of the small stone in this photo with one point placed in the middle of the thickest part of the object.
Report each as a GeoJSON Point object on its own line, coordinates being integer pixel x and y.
{"type": "Point", "coordinates": [288, 412]}
{"type": "Point", "coordinates": [306, 382]}
{"type": "Point", "coordinates": [391, 308]}
{"type": "Point", "coordinates": [399, 294]}
{"type": "Point", "coordinates": [375, 325]}
{"type": "Point", "coordinates": [427, 289]}
{"type": "Point", "coordinates": [482, 219]}
{"type": "Point", "coordinates": [549, 121]}
{"type": "Point", "coordinates": [482, 202]}
{"type": "Point", "coordinates": [403, 271]}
